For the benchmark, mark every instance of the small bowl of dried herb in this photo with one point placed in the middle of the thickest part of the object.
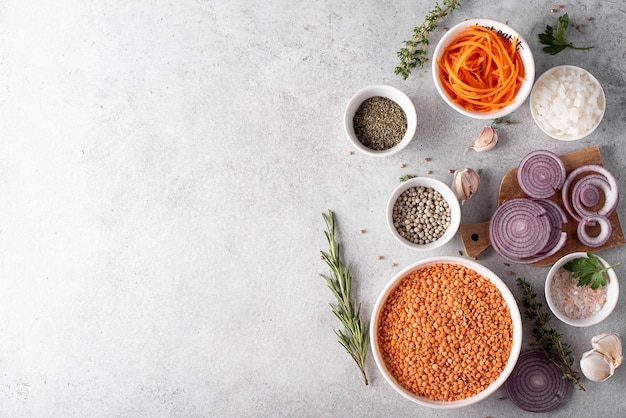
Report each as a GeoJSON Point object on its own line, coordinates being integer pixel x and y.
{"type": "Point", "coordinates": [423, 213]}
{"type": "Point", "coordinates": [380, 120]}
{"type": "Point", "coordinates": [582, 289]}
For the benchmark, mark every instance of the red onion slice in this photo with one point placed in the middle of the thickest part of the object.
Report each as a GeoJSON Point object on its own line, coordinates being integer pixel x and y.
{"type": "Point", "coordinates": [547, 252]}
{"type": "Point", "coordinates": [589, 194]}
{"type": "Point", "coordinates": [602, 238]}
{"type": "Point", "coordinates": [519, 228]}
{"type": "Point", "coordinates": [536, 385]}
{"type": "Point", "coordinates": [540, 173]}
{"type": "Point", "coordinates": [608, 185]}
{"type": "Point", "coordinates": [540, 256]}
{"type": "Point", "coordinates": [586, 194]}
{"type": "Point", "coordinates": [557, 218]}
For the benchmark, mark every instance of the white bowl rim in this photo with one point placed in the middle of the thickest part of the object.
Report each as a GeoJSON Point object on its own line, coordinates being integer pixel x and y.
{"type": "Point", "coordinates": [515, 317]}
{"type": "Point", "coordinates": [612, 294]}
{"type": "Point", "coordinates": [446, 192]}
{"type": "Point", "coordinates": [593, 80]}
{"type": "Point", "coordinates": [527, 59]}
{"type": "Point", "coordinates": [392, 93]}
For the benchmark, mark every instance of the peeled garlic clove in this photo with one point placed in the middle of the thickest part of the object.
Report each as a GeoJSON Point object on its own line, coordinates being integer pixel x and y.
{"type": "Point", "coordinates": [596, 366]}
{"type": "Point", "coordinates": [610, 345]}
{"type": "Point", "coordinates": [465, 183]}
{"type": "Point", "coordinates": [486, 140]}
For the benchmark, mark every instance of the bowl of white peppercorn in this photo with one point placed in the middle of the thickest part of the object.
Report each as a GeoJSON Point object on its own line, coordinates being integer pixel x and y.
{"type": "Point", "coordinates": [423, 213]}
{"type": "Point", "coordinates": [380, 120]}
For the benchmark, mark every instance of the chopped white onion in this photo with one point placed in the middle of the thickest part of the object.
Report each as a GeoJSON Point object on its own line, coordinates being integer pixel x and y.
{"type": "Point", "coordinates": [568, 102]}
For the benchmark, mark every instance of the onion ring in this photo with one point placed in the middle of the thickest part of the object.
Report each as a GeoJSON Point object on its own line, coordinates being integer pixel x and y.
{"type": "Point", "coordinates": [557, 218]}
{"type": "Point", "coordinates": [586, 191]}
{"type": "Point", "coordinates": [589, 193]}
{"type": "Point", "coordinates": [602, 238]}
{"type": "Point", "coordinates": [608, 186]}
{"type": "Point", "coordinates": [540, 256]}
{"type": "Point", "coordinates": [519, 228]}
{"type": "Point", "coordinates": [536, 385]}
{"type": "Point", "coordinates": [540, 173]}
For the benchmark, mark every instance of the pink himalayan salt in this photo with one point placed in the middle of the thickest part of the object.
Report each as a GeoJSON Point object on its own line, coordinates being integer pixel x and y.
{"type": "Point", "coordinates": [574, 301]}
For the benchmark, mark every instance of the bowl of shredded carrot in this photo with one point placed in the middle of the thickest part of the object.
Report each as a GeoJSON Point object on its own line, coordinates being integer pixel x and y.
{"type": "Point", "coordinates": [483, 69]}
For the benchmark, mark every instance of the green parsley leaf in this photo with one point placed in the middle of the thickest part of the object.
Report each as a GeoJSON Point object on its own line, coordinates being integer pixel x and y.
{"type": "Point", "coordinates": [588, 271]}
{"type": "Point", "coordinates": [556, 40]}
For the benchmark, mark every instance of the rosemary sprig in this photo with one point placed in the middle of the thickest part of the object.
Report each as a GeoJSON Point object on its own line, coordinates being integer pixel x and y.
{"type": "Point", "coordinates": [557, 351]}
{"type": "Point", "coordinates": [355, 337]}
{"type": "Point", "coordinates": [414, 52]}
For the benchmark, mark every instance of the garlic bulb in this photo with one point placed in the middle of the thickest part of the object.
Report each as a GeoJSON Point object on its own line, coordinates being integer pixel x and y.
{"type": "Point", "coordinates": [486, 140]}
{"type": "Point", "coordinates": [465, 183]}
{"type": "Point", "coordinates": [600, 363]}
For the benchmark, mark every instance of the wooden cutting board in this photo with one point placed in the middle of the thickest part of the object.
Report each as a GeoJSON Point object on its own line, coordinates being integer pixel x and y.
{"type": "Point", "coordinates": [475, 237]}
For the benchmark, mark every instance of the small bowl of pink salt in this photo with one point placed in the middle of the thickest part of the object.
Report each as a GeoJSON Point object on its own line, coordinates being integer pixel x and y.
{"type": "Point", "coordinates": [580, 306]}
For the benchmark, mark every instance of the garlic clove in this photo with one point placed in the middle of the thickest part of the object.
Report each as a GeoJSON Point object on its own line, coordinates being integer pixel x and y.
{"type": "Point", "coordinates": [610, 345]}
{"type": "Point", "coordinates": [465, 183]}
{"type": "Point", "coordinates": [596, 366]}
{"type": "Point", "coordinates": [486, 140]}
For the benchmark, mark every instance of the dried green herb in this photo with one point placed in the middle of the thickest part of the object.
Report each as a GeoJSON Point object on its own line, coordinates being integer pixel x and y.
{"type": "Point", "coordinates": [504, 121]}
{"type": "Point", "coordinates": [549, 340]}
{"type": "Point", "coordinates": [355, 337]}
{"type": "Point", "coordinates": [379, 123]}
{"type": "Point", "coordinates": [406, 177]}
{"type": "Point", "coordinates": [415, 49]}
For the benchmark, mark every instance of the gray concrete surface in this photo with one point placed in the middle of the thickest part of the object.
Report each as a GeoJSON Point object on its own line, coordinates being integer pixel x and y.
{"type": "Point", "coordinates": [163, 171]}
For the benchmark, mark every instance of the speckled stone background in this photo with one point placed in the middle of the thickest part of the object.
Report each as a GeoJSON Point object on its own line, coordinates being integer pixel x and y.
{"type": "Point", "coordinates": [163, 170]}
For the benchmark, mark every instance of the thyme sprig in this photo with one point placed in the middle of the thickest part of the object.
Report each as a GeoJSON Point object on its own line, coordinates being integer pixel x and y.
{"type": "Point", "coordinates": [355, 337]}
{"type": "Point", "coordinates": [549, 340]}
{"type": "Point", "coordinates": [498, 121]}
{"type": "Point", "coordinates": [415, 49]}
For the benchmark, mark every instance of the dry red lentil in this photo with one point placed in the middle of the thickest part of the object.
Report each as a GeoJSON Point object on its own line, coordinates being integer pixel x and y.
{"type": "Point", "coordinates": [445, 333]}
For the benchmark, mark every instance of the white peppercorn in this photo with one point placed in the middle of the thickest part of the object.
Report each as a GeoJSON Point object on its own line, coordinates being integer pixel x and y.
{"type": "Point", "coordinates": [421, 215]}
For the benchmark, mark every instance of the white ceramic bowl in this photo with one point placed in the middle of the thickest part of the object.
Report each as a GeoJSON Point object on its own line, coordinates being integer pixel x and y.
{"type": "Point", "coordinates": [392, 94]}
{"type": "Point", "coordinates": [502, 30]}
{"type": "Point", "coordinates": [448, 195]}
{"type": "Point", "coordinates": [611, 296]}
{"type": "Point", "coordinates": [570, 78]}
{"type": "Point", "coordinates": [509, 300]}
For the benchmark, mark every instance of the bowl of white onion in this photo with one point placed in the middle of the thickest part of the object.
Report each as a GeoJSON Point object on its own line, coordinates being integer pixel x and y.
{"type": "Point", "coordinates": [567, 102]}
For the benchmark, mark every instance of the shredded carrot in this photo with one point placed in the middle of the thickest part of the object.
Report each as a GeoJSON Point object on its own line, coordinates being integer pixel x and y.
{"type": "Point", "coordinates": [481, 71]}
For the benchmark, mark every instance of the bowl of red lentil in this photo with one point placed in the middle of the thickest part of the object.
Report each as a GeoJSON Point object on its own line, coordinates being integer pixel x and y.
{"type": "Point", "coordinates": [423, 213]}
{"type": "Point", "coordinates": [380, 120]}
{"type": "Point", "coordinates": [446, 332]}
{"type": "Point", "coordinates": [580, 306]}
